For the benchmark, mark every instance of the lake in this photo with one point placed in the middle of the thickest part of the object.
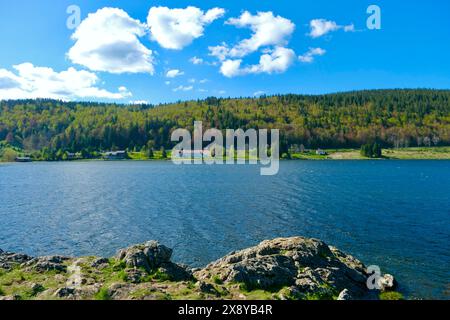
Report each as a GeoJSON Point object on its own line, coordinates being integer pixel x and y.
{"type": "Point", "coordinates": [395, 214]}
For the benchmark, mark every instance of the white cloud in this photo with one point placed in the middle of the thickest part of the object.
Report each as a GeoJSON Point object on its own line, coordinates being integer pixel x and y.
{"type": "Point", "coordinates": [270, 35]}
{"type": "Point", "coordinates": [167, 83]}
{"type": "Point", "coordinates": [8, 80]}
{"type": "Point", "coordinates": [30, 82]}
{"type": "Point", "coordinates": [220, 52]}
{"type": "Point", "coordinates": [203, 81]}
{"type": "Point", "coordinates": [183, 88]}
{"type": "Point", "coordinates": [268, 30]}
{"type": "Point", "coordinates": [277, 60]}
{"type": "Point", "coordinates": [195, 60]}
{"type": "Point", "coordinates": [308, 57]}
{"type": "Point", "coordinates": [231, 68]}
{"type": "Point", "coordinates": [320, 27]}
{"type": "Point", "coordinates": [107, 40]}
{"type": "Point", "coordinates": [259, 93]}
{"type": "Point", "coordinates": [139, 102]}
{"type": "Point", "coordinates": [174, 73]}
{"type": "Point", "coordinates": [178, 28]}
{"type": "Point", "coordinates": [202, 90]}
{"type": "Point", "coordinates": [192, 80]}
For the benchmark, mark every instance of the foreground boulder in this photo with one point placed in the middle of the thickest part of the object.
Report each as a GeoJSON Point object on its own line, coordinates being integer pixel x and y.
{"type": "Point", "coordinates": [152, 257]}
{"type": "Point", "coordinates": [307, 267]}
{"type": "Point", "coordinates": [149, 256]}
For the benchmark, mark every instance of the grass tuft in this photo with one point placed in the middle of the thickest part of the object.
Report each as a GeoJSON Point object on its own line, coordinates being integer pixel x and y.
{"type": "Point", "coordinates": [391, 295]}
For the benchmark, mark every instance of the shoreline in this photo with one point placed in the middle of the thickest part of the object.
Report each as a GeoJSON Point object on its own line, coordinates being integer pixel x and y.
{"type": "Point", "coordinates": [280, 269]}
{"type": "Point", "coordinates": [417, 153]}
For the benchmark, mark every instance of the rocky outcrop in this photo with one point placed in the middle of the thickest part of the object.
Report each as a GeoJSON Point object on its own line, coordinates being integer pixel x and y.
{"type": "Point", "coordinates": [49, 263]}
{"type": "Point", "coordinates": [149, 256]}
{"type": "Point", "coordinates": [152, 257]}
{"type": "Point", "coordinates": [306, 266]}
{"type": "Point", "coordinates": [284, 268]}
{"type": "Point", "coordinates": [8, 259]}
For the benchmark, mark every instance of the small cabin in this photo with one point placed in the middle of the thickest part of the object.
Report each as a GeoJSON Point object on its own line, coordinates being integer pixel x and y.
{"type": "Point", "coordinates": [23, 159]}
{"type": "Point", "coordinates": [73, 156]}
{"type": "Point", "coordinates": [321, 152]}
{"type": "Point", "coordinates": [115, 155]}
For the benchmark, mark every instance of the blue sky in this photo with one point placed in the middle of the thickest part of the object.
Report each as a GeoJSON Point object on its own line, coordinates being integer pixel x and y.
{"type": "Point", "coordinates": [411, 50]}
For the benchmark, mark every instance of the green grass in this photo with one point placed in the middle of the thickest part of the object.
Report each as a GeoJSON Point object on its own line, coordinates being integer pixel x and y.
{"type": "Point", "coordinates": [142, 156]}
{"type": "Point", "coordinates": [160, 276]}
{"type": "Point", "coordinates": [217, 280]}
{"type": "Point", "coordinates": [258, 295]}
{"type": "Point", "coordinates": [102, 294]}
{"type": "Point", "coordinates": [391, 295]}
{"type": "Point", "coordinates": [429, 153]}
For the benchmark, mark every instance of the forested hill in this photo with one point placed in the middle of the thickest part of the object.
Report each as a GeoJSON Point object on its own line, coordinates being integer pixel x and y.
{"type": "Point", "coordinates": [394, 118]}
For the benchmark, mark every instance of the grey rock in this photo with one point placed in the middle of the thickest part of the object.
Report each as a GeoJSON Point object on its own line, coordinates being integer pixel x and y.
{"type": "Point", "coordinates": [65, 293]}
{"type": "Point", "coordinates": [100, 262]}
{"type": "Point", "coordinates": [36, 288]}
{"type": "Point", "coordinates": [135, 275]}
{"type": "Point", "coordinates": [176, 272]}
{"type": "Point", "coordinates": [14, 258]}
{"type": "Point", "coordinates": [5, 266]}
{"type": "Point", "coordinates": [264, 272]}
{"type": "Point", "coordinates": [308, 266]}
{"type": "Point", "coordinates": [150, 255]}
{"type": "Point", "coordinates": [48, 263]}
{"type": "Point", "coordinates": [207, 288]}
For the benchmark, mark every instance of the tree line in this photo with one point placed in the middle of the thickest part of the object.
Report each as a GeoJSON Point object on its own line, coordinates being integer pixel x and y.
{"type": "Point", "coordinates": [391, 118]}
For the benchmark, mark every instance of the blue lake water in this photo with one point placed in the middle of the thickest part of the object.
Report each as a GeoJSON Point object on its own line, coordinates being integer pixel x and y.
{"type": "Point", "coordinates": [395, 214]}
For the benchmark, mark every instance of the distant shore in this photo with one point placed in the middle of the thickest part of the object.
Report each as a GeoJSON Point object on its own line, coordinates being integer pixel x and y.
{"type": "Point", "coordinates": [417, 153]}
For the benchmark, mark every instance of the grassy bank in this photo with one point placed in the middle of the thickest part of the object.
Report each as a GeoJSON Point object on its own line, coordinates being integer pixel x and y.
{"type": "Point", "coordinates": [433, 153]}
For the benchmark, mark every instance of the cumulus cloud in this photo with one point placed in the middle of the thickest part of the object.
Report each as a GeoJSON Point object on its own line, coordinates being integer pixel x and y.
{"type": "Point", "coordinates": [220, 52]}
{"type": "Point", "coordinates": [320, 27]}
{"type": "Point", "coordinates": [231, 68]}
{"type": "Point", "coordinates": [268, 30]}
{"type": "Point", "coordinates": [178, 28]}
{"type": "Point", "coordinates": [308, 57]}
{"type": "Point", "coordinates": [8, 80]}
{"type": "Point", "coordinates": [174, 73]}
{"type": "Point", "coordinates": [270, 35]}
{"type": "Point", "coordinates": [195, 60]}
{"type": "Point", "coordinates": [30, 82]}
{"type": "Point", "coordinates": [183, 88]}
{"type": "Point", "coordinates": [277, 60]}
{"type": "Point", "coordinates": [259, 93]}
{"type": "Point", "coordinates": [108, 40]}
